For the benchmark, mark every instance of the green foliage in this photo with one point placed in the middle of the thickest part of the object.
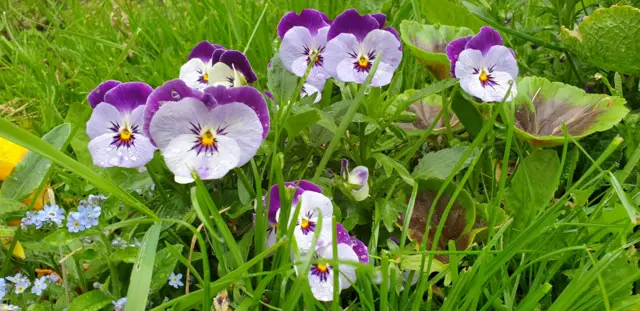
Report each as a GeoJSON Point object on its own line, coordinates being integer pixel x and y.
{"type": "Point", "coordinates": [90, 301]}
{"type": "Point", "coordinates": [440, 164]}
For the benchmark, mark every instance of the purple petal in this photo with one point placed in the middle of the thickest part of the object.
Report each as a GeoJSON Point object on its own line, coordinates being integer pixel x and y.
{"type": "Point", "coordinates": [268, 94]}
{"type": "Point", "coordinates": [237, 60]}
{"type": "Point", "coordinates": [394, 240]}
{"type": "Point", "coordinates": [350, 21]}
{"type": "Point", "coordinates": [246, 95]}
{"type": "Point", "coordinates": [204, 50]}
{"type": "Point", "coordinates": [309, 186]}
{"type": "Point", "coordinates": [215, 57]}
{"type": "Point", "coordinates": [97, 95]}
{"type": "Point", "coordinates": [361, 250]}
{"type": "Point", "coordinates": [344, 168]}
{"type": "Point", "coordinates": [484, 40]}
{"type": "Point", "coordinates": [127, 96]}
{"type": "Point", "coordinates": [380, 18]}
{"type": "Point", "coordinates": [308, 18]}
{"type": "Point", "coordinates": [342, 234]}
{"type": "Point", "coordinates": [274, 201]}
{"type": "Point", "coordinates": [454, 49]}
{"type": "Point", "coordinates": [170, 91]}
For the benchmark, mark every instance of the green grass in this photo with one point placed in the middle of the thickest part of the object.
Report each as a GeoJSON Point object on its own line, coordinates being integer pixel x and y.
{"type": "Point", "coordinates": [575, 251]}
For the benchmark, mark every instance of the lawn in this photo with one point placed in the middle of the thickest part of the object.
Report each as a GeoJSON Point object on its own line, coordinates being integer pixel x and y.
{"type": "Point", "coordinates": [320, 155]}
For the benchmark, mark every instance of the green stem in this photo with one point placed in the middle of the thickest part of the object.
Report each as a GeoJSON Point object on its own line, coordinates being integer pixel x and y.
{"type": "Point", "coordinates": [115, 282]}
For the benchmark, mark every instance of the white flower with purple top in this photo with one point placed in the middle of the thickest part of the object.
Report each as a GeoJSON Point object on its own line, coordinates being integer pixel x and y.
{"type": "Point", "coordinates": [303, 37]}
{"type": "Point", "coordinates": [357, 180]}
{"type": "Point", "coordinates": [54, 214]}
{"type": "Point", "coordinates": [355, 42]}
{"type": "Point", "coordinates": [212, 65]}
{"type": "Point", "coordinates": [39, 285]}
{"type": "Point", "coordinates": [175, 280]}
{"type": "Point", "coordinates": [484, 66]}
{"type": "Point", "coordinates": [314, 206]}
{"type": "Point", "coordinates": [321, 273]}
{"type": "Point", "coordinates": [209, 132]}
{"type": "Point", "coordinates": [115, 126]}
{"type": "Point", "coordinates": [119, 305]}
{"type": "Point", "coordinates": [293, 191]}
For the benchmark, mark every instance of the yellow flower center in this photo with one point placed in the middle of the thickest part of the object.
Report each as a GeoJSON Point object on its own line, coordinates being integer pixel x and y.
{"type": "Point", "coordinates": [205, 77]}
{"type": "Point", "coordinates": [125, 134]}
{"type": "Point", "coordinates": [484, 77]}
{"type": "Point", "coordinates": [363, 61]}
{"type": "Point", "coordinates": [76, 224]}
{"type": "Point", "coordinates": [322, 267]}
{"type": "Point", "coordinates": [305, 223]}
{"type": "Point", "coordinates": [20, 288]}
{"type": "Point", "coordinates": [208, 139]}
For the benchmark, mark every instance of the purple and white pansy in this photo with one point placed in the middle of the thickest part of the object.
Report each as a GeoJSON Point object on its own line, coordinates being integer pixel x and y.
{"type": "Point", "coordinates": [212, 65]}
{"type": "Point", "coordinates": [209, 132]}
{"type": "Point", "coordinates": [357, 180]}
{"type": "Point", "coordinates": [303, 37]}
{"type": "Point", "coordinates": [355, 42]}
{"type": "Point", "coordinates": [316, 211]}
{"type": "Point", "coordinates": [293, 191]}
{"type": "Point", "coordinates": [485, 67]}
{"type": "Point", "coordinates": [116, 123]}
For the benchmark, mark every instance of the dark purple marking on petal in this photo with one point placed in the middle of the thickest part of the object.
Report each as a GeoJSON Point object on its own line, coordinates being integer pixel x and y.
{"type": "Point", "coordinates": [344, 168]}
{"type": "Point", "coordinates": [237, 60]}
{"type": "Point", "coordinates": [307, 226]}
{"type": "Point", "coordinates": [321, 271]}
{"type": "Point", "coordinates": [484, 40]}
{"type": "Point", "coordinates": [308, 18]}
{"type": "Point", "coordinates": [342, 235]}
{"type": "Point", "coordinates": [97, 95]}
{"type": "Point", "coordinates": [170, 91]}
{"type": "Point", "coordinates": [128, 96]}
{"type": "Point", "coordinates": [246, 95]}
{"type": "Point", "coordinates": [361, 250]}
{"type": "Point", "coordinates": [204, 50]}
{"type": "Point", "coordinates": [453, 50]}
{"type": "Point", "coordinates": [350, 21]}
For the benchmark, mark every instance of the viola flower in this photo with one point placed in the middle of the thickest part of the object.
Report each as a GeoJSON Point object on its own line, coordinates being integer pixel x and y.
{"type": "Point", "coordinates": [355, 42]}
{"type": "Point", "coordinates": [357, 180]}
{"type": "Point", "coordinates": [119, 305]}
{"type": "Point", "coordinates": [304, 36]}
{"type": "Point", "coordinates": [75, 222]}
{"type": "Point", "coordinates": [212, 65]}
{"type": "Point", "coordinates": [484, 66]}
{"type": "Point", "coordinates": [313, 206]}
{"type": "Point", "coordinates": [321, 273]}
{"type": "Point", "coordinates": [222, 301]}
{"type": "Point", "coordinates": [210, 132]}
{"type": "Point", "coordinates": [174, 280]}
{"type": "Point", "coordinates": [39, 285]}
{"type": "Point", "coordinates": [54, 214]}
{"type": "Point", "coordinates": [115, 126]}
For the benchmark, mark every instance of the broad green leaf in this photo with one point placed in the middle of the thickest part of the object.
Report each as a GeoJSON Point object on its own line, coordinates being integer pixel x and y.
{"type": "Point", "coordinates": [389, 212]}
{"type": "Point", "coordinates": [91, 301]}
{"type": "Point", "coordinates": [426, 111]}
{"type": "Point", "coordinates": [542, 106]}
{"type": "Point", "coordinates": [532, 186]}
{"type": "Point", "coordinates": [127, 254]}
{"type": "Point", "coordinates": [440, 164]}
{"type": "Point", "coordinates": [29, 173]}
{"type": "Point", "coordinates": [467, 113]}
{"type": "Point", "coordinates": [280, 82]}
{"type": "Point", "coordinates": [8, 206]}
{"type": "Point", "coordinates": [78, 115]}
{"type": "Point", "coordinates": [297, 123]}
{"type": "Point", "coordinates": [142, 271]}
{"type": "Point", "coordinates": [460, 221]}
{"type": "Point", "coordinates": [428, 43]}
{"type": "Point", "coordinates": [165, 264]}
{"type": "Point", "coordinates": [608, 39]}
{"type": "Point", "coordinates": [446, 12]}
{"type": "Point", "coordinates": [390, 164]}
{"type": "Point", "coordinates": [36, 307]}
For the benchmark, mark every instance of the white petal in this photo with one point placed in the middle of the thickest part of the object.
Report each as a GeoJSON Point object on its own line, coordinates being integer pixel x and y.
{"type": "Point", "coordinates": [192, 72]}
{"type": "Point", "coordinates": [315, 204]}
{"type": "Point", "coordinates": [337, 50]}
{"type": "Point", "coordinates": [322, 290]}
{"type": "Point", "coordinates": [240, 123]}
{"type": "Point", "coordinates": [346, 72]}
{"type": "Point", "coordinates": [272, 238]}
{"type": "Point", "coordinates": [221, 74]}
{"type": "Point", "coordinates": [181, 159]}
{"type": "Point", "coordinates": [383, 75]}
{"type": "Point", "coordinates": [489, 93]}
{"type": "Point", "coordinates": [101, 118]}
{"type": "Point", "coordinates": [310, 90]}
{"type": "Point", "coordinates": [469, 62]}
{"type": "Point", "coordinates": [106, 155]}
{"type": "Point", "coordinates": [385, 44]}
{"type": "Point", "coordinates": [174, 119]}
{"type": "Point", "coordinates": [305, 241]}
{"type": "Point", "coordinates": [292, 49]}
{"type": "Point", "coordinates": [499, 58]}
{"type": "Point", "coordinates": [137, 117]}
{"type": "Point", "coordinates": [345, 254]}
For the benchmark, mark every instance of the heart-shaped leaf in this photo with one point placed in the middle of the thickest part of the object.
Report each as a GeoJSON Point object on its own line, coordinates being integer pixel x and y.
{"type": "Point", "coordinates": [542, 106]}
{"type": "Point", "coordinates": [608, 39]}
{"type": "Point", "coordinates": [428, 44]}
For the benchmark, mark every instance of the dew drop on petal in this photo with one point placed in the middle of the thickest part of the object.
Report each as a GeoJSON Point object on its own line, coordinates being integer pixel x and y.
{"type": "Point", "coordinates": [114, 161]}
{"type": "Point", "coordinates": [175, 94]}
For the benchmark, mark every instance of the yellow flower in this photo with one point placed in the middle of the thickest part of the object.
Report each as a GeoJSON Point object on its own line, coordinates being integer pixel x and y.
{"type": "Point", "coordinates": [18, 251]}
{"type": "Point", "coordinates": [10, 155]}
